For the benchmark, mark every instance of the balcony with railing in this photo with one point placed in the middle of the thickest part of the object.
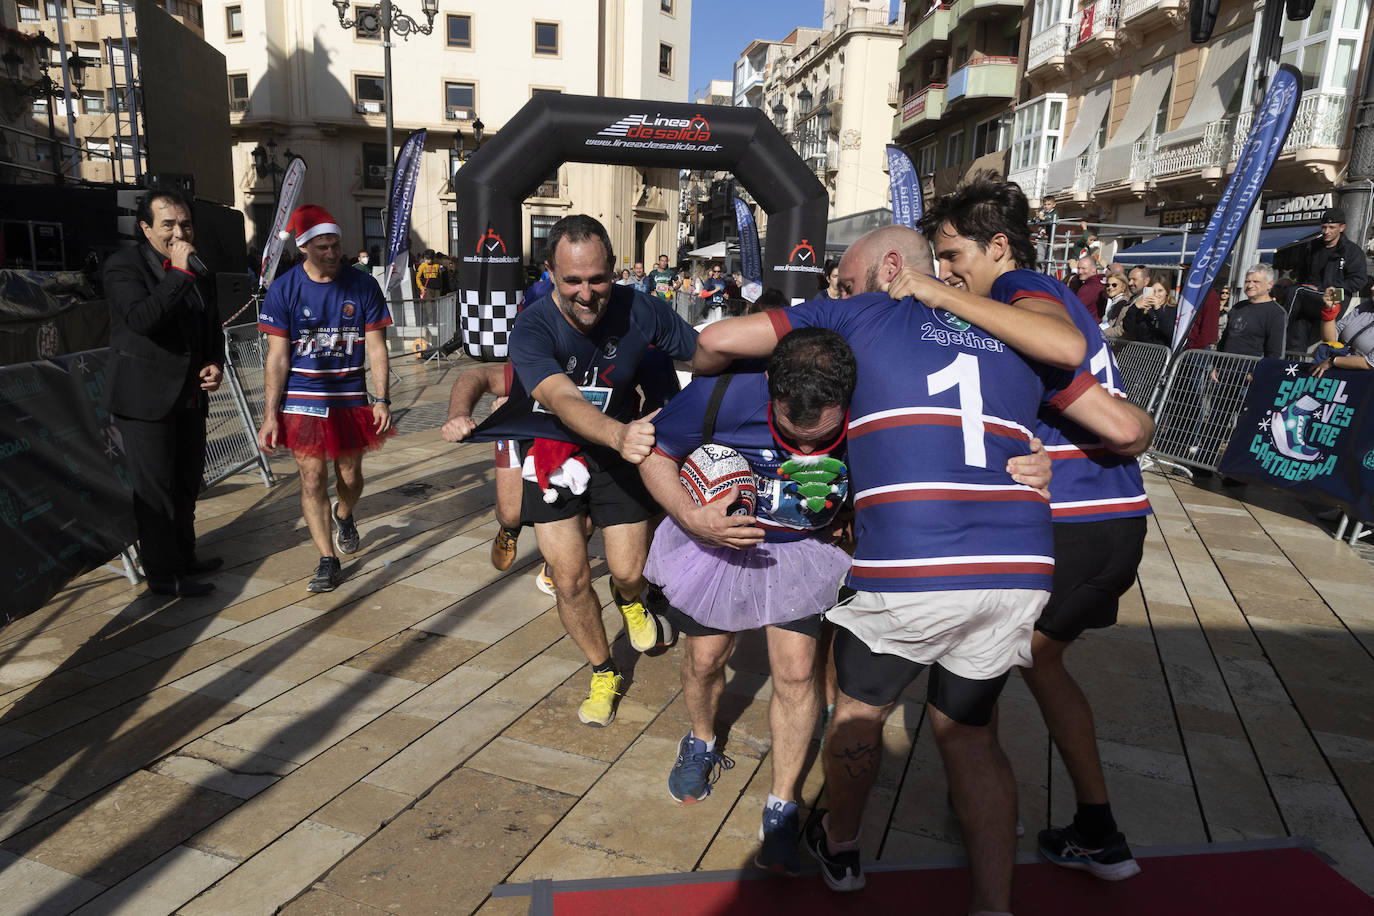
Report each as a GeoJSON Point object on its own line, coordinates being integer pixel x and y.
{"type": "Point", "coordinates": [1085, 174]}
{"type": "Point", "coordinates": [1319, 122]}
{"type": "Point", "coordinates": [1099, 28]}
{"type": "Point", "coordinates": [929, 36]}
{"type": "Point", "coordinates": [1049, 50]}
{"type": "Point", "coordinates": [894, 95]}
{"type": "Point", "coordinates": [984, 9]}
{"type": "Point", "coordinates": [1211, 151]}
{"type": "Point", "coordinates": [925, 107]}
{"type": "Point", "coordinates": [1031, 180]}
{"type": "Point", "coordinates": [1146, 13]}
{"type": "Point", "coordinates": [982, 78]}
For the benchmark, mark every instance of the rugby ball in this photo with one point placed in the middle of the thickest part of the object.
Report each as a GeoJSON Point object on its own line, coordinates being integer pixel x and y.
{"type": "Point", "coordinates": [709, 472]}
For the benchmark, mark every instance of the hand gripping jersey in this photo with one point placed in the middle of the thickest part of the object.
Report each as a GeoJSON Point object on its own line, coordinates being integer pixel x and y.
{"type": "Point", "coordinates": [1091, 483]}
{"type": "Point", "coordinates": [939, 408]}
{"type": "Point", "coordinates": [798, 494]}
{"type": "Point", "coordinates": [326, 325]}
{"type": "Point", "coordinates": [605, 363]}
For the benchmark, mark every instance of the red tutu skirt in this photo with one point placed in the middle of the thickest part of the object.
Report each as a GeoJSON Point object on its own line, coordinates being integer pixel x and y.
{"type": "Point", "coordinates": [346, 429]}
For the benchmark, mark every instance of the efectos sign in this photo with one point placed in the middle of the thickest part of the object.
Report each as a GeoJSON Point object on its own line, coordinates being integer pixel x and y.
{"type": "Point", "coordinates": [553, 129]}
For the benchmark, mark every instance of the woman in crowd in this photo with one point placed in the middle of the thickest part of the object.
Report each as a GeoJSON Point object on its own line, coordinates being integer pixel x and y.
{"type": "Point", "coordinates": [1118, 303]}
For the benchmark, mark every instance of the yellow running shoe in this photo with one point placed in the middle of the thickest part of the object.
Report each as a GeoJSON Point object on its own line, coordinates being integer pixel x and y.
{"type": "Point", "coordinates": [645, 630]}
{"type": "Point", "coordinates": [503, 548]}
{"type": "Point", "coordinates": [599, 707]}
{"type": "Point", "coordinates": [544, 581]}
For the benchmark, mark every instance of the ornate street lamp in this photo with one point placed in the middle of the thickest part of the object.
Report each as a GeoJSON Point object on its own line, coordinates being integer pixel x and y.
{"type": "Point", "coordinates": [387, 18]}
{"type": "Point", "coordinates": [44, 87]}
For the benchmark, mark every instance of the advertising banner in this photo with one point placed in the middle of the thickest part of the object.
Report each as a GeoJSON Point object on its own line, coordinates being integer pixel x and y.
{"type": "Point", "coordinates": [751, 261]}
{"type": "Point", "coordinates": [907, 207]}
{"type": "Point", "coordinates": [402, 198]}
{"type": "Point", "coordinates": [1310, 436]}
{"type": "Point", "coordinates": [66, 500]}
{"type": "Point", "coordinates": [1262, 147]}
{"type": "Point", "coordinates": [286, 202]}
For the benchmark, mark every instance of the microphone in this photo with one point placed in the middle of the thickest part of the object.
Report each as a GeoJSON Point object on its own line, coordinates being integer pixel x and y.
{"type": "Point", "coordinates": [197, 266]}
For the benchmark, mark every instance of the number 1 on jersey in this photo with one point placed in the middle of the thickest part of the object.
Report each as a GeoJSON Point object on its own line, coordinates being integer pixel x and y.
{"type": "Point", "coordinates": [963, 375]}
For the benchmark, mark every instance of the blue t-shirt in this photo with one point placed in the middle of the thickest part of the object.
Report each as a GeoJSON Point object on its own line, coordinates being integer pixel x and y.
{"type": "Point", "coordinates": [326, 325]}
{"type": "Point", "coordinates": [713, 291]}
{"type": "Point", "coordinates": [604, 363]}
{"type": "Point", "coordinates": [798, 494]}
{"type": "Point", "coordinates": [1091, 483]}
{"type": "Point", "coordinates": [939, 408]}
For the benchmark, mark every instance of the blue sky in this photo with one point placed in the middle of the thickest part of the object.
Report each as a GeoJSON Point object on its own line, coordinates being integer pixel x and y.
{"type": "Point", "coordinates": [722, 28]}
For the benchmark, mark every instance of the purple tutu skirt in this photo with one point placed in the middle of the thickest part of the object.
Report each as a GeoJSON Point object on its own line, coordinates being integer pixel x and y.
{"type": "Point", "coordinates": [737, 590]}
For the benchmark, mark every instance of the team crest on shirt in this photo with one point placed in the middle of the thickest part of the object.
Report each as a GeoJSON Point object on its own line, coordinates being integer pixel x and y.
{"type": "Point", "coordinates": [349, 309]}
{"type": "Point", "coordinates": [953, 322]}
{"type": "Point", "coordinates": [572, 363]}
{"type": "Point", "coordinates": [305, 310]}
{"type": "Point", "coordinates": [610, 347]}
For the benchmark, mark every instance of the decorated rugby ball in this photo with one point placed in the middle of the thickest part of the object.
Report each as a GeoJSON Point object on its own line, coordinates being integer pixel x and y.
{"type": "Point", "coordinates": [709, 472]}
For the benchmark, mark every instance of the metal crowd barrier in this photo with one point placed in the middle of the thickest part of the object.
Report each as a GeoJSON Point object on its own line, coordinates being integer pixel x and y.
{"type": "Point", "coordinates": [446, 314]}
{"type": "Point", "coordinates": [1142, 365]}
{"type": "Point", "coordinates": [691, 309]}
{"type": "Point", "coordinates": [1197, 412]}
{"type": "Point", "coordinates": [231, 441]}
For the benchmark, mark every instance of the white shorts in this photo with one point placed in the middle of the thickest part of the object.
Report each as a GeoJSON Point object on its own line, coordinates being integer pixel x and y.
{"type": "Point", "coordinates": [978, 634]}
{"type": "Point", "coordinates": [507, 454]}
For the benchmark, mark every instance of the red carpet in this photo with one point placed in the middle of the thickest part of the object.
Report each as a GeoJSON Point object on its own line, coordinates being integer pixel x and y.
{"type": "Point", "coordinates": [1266, 882]}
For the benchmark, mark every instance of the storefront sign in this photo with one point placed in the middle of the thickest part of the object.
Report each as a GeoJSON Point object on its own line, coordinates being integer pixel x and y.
{"type": "Point", "coordinates": [1289, 211]}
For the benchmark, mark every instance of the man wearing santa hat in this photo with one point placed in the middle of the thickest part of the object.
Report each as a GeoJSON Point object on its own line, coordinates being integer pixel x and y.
{"type": "Point", "coordinates": [320, 321]}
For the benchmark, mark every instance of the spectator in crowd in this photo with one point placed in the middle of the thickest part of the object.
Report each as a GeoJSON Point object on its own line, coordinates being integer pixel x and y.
{"type": "Point", "coordinates": [1256, 325]}
{"type": "Point", "coordinates": [1335, 270]}
{"type": "Point", "coordinates": [1354, 329]}
{"type": "Point", "coordinates": [1152, 314]}
{"type": "Point", "coordinates": [713, 291]}
{"type": "Point", "coordinates": [830, 280]}
{"type": "Point", "coordinates": [1118, 304]}
{"type": "Point", "coordinates": [771, 298]}
{"type": "Point", "coordinates": [428, 276]}
{"type": "Point", "coordinates": [1047, 220]}
{"type": "Point", "coordinates": [1224, 313]}
{"type": "Point", "coordinates": [1203, 332]}
{"type": "Point", "coordinates": [661, 280]}
{"type": "Point", "coordinates": [626, 279]}
{"type": "Point", "coordinates": [1137, 280]}
{"type": "Point", "coordinates": [1088, 286]}
{"type": "Point", "coordinates": [363, 263]}
{"type": "Point", "coordinates": [448, 272]}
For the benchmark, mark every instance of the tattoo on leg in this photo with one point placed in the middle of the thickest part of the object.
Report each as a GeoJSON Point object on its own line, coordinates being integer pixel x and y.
{"type": "Point", "coordinates": [859, 759]}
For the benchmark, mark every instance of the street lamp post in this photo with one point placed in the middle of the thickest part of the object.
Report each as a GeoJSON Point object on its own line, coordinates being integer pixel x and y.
{"type": "Point", "coordinates": [46, 86]}
{"type": "Point", "coordinates": [386, 18]}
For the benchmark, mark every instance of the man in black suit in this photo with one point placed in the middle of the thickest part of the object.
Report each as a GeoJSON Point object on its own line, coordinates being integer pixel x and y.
{"type": "Point", "coordinates": [169, 354]}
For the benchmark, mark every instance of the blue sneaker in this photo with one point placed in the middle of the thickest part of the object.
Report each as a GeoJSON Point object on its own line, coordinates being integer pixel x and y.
{"type": "Point", "coordinates": [779, 834]}
{"type": "Point", "coordinates": [696, 770]}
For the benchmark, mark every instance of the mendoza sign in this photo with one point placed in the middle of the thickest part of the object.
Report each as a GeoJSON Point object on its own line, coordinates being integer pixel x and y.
{"type": "Point", "coordinates": [1311, 436]}
{"type": "Point", "coordinates": [66, 503]}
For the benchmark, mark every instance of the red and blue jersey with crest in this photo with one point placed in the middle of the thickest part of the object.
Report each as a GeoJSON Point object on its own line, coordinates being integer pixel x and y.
{"type": "Point", "coordinates": [798, 494]}
{"type": "Point", "coordinates": [326, 326]}
{"type": "Point", "coordinates": [939, 408]}
{"type": "Point", "coordinates": [1090, 483]}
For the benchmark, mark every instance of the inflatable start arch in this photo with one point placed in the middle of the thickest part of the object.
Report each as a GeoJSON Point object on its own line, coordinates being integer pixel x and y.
{"type": "Point", "coordinates": [553, 129]}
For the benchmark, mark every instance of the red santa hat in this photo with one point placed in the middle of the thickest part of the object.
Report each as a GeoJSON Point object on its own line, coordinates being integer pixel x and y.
{"type": "Point", "coordinates": [308, 221]}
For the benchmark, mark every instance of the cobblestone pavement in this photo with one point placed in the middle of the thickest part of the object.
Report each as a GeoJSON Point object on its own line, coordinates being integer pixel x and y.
{"type": "Point", "coordinates": [407, 742]}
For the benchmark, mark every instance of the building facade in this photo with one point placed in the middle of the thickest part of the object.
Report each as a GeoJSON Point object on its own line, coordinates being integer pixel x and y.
{"type": "Point", "coordinates": [956, 84]}
{"type": "Point", "coordinates": [1124, 121]}
{"type": "Point", "coordinates": [300, 83]}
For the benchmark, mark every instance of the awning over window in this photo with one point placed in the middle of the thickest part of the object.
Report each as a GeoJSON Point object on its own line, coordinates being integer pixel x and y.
{"type": "Point", "coordinates": [1169, 250]}
{"type": "Point", "coordinates": [1114, 162]}
{"type": "Point", "coordinates": [1061, 171]}
{"type": "Point", "coordinates": [1222, 73]}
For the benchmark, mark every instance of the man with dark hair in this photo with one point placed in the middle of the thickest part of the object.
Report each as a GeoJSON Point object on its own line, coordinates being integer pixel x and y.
{"type": "Point", "coordinates": [576, 355]}
{"type": "Point", "coordinates": [943, 577]}
{"type": "Point", "coordinates": [168, 358]}
{"type": "Point", "coordinates": [661, 280]}
{"type": "Point", "coordinates": [771, 298]}
{"type": "Point", "coordinates": [1098, 503]}
{"type": "Point", "coordinates": [324, 324]}
{"type": "Point", "coordinates": [1333, 276]}
{"type": "Point", "coordinates": [778, 569]}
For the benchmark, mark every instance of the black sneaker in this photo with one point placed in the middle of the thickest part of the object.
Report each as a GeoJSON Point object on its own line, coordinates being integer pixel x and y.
{"type": "Point", "coordinates": [779, 837]}
{"type": "Point", "coordinates": [346, 536]}
{"type": "Point", "coordinates": [1110, 860]}
{"type": "Point", "coordinates": [328, 575]}
{"type": "Point", "coordinates": [841, 870]}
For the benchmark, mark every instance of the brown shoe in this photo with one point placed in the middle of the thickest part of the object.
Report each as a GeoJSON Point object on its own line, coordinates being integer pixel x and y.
{"type": "Point", "coordinates": [503, 548]}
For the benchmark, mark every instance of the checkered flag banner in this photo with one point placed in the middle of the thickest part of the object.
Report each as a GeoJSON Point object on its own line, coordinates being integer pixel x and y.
{"type": "Point", "coordinates": [486, 325]}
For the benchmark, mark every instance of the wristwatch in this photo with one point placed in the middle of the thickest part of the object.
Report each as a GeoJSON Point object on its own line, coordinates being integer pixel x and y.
{"type": "Point", "coordinates": [386, 401]}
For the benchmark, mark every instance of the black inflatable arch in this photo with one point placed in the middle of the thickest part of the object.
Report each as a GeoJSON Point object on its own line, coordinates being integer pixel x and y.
{"type": "Point", "coordinates": [553, 129]}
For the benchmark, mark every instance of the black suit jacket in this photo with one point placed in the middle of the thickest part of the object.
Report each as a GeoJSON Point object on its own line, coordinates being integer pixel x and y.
{"type": "Point", "coordinates": [161, 322]}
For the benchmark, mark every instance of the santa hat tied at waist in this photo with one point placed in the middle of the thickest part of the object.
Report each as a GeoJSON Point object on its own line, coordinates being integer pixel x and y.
{"type": "Point", "coordinates": [551, 463]}
{"type": "Point", "coordinates": [308, 221]}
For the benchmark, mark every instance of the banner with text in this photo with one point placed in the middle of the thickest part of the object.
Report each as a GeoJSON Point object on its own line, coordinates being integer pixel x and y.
{"type": "Point", "coordinates": [286, 202]}
{"type": "Point", "coordinates": [907, 207]}
{"type": "Point", "coordinates": [406, 176]}
{"type": "Point", "coordinates": [750, 258]}
{"type": "Point", "coordinates": [1311, 436]}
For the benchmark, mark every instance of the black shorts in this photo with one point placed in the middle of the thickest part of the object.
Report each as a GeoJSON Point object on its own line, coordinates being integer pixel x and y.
{"type": "Point", "coordinates": [807, 626]}
{"type": "Point", "coordinates": [1094, 565]}
{"type": "Point", "coordinates": [879, 680]}
{"type": "Point", "coordinates": [615, 495]}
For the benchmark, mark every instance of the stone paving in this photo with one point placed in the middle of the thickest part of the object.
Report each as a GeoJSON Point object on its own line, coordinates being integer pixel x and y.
{"type": "Point", "coordinates": [410, 740]}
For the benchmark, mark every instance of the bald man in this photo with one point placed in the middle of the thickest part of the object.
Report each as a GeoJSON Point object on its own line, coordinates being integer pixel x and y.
{"type": "Point", "coordinates": [874, 259]}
